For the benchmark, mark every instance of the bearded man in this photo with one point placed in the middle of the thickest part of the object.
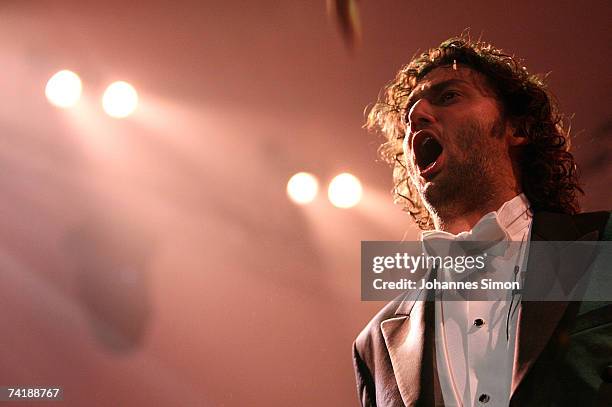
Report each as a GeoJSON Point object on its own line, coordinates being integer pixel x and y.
{"type": "Point", "coordinates": [478, 147]}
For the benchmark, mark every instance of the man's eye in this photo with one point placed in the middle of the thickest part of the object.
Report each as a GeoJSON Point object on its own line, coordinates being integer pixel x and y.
{"type": "Point", "coordinates": [448, 96]}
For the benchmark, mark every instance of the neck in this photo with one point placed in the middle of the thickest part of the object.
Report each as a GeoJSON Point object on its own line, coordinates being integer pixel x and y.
{"type": "Point", "coordinates": [462, 219]}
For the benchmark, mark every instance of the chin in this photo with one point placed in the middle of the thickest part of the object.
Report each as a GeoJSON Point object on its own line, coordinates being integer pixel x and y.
{"type": "Point", "coordinates": [443, 194]}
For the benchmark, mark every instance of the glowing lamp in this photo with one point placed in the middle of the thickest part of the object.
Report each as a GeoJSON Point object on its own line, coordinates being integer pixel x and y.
{"type": "Point", "coordinates": [345, 191]}
{"type": "Point", "coordinates": [120, 100]}
{"type": "Point", "coordinates": [302, 188]}
{"type": "Point", "coordinates": [64, 89]}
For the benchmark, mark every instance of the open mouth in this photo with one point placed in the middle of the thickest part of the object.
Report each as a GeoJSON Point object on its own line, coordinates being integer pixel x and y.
{"type": "Point", "coordinates": [427, 151]}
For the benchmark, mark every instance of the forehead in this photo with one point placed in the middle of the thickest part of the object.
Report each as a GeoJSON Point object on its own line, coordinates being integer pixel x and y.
{"type": "Point", "coordinates": [462, 75]}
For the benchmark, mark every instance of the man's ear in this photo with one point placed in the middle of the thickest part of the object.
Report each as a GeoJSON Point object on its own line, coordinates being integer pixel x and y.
{"type": "Point", "coordinates": [516, 139]}
{"type": "Point", "coordinates": [514, 136]}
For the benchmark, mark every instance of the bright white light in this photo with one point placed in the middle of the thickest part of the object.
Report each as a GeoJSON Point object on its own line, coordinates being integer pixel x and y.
{"type": "Point", "coordinates": [345, 191]}
{"type": "Point", "coordinates": [120, 99]}
{"type": "Point", "coordinates": [64, 89]}
{"type": "Point", "coordinates": [302, 188]}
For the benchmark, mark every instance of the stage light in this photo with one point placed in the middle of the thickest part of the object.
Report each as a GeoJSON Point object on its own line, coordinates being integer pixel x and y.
{"type": "Point", "coordinates": [345, 191]}
{"type": "Point", "coordinates": [64, 89]}
{"type": "Point", "coordinates": [120, 99]}
{"type": "Point", "coordinates": [302, 188]}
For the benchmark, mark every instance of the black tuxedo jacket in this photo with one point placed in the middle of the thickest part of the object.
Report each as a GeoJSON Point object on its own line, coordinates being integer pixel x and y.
{"type": "Point", "coordinates": [564, 349]}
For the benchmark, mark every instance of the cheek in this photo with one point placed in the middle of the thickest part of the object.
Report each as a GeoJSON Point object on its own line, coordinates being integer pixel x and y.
{"type": "Point", "coordinates": [412, 172]}
{"type": "Point", "coordinates": [407, 157]}
{"type": "Point", "coordinates": [407, 153]}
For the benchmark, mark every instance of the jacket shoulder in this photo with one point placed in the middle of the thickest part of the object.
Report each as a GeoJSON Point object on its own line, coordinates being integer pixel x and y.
{"type": "Point", "coordinates": [600, 221]}
{"type": "Point", "coordinates": [560, 226]}
{"type": "Point", "coordinates": [372, 333]}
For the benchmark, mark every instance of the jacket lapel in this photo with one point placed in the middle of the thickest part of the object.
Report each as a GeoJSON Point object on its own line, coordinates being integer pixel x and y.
{"type": "Point", "coordinates": [409, 337]}
{"type": "Point", "coordinates": [538, 320]}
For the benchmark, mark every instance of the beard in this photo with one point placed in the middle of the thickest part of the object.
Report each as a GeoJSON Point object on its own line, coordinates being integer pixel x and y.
{"type": "Point", "coordinates": [470, 177]}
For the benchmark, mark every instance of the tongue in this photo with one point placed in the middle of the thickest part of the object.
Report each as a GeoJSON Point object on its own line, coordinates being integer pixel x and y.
{"type": "Point", "coordinates": [429, 152]}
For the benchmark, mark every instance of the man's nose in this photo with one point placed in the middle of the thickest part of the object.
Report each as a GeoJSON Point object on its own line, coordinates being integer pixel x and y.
{"type": "Point", "coordinates": [420, 115]}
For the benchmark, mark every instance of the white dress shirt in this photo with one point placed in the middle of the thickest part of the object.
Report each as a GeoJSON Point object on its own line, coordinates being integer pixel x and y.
{"type": "Point", "coordinates": [474, 342]}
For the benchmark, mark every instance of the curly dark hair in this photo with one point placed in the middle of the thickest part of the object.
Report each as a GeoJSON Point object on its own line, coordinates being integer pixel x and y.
{"type": "Point", "coordinates": [548, 170]}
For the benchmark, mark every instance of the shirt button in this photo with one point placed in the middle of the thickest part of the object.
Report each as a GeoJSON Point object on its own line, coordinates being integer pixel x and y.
{"type": "Point", "coordinates": [484, 398]}
{"type": "Point", "coordinates": [478, 322]}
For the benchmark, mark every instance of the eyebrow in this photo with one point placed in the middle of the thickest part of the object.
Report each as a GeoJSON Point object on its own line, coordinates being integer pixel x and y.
{"type": "Point", "coordinates": [434, 89]}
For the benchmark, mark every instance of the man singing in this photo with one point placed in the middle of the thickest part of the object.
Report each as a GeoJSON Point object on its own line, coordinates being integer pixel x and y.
{"type": "Point", "coordinates": [479, 148]}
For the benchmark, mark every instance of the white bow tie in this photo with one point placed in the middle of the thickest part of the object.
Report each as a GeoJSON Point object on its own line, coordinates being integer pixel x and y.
{"type": "Point", "coordinates": [486, 235]}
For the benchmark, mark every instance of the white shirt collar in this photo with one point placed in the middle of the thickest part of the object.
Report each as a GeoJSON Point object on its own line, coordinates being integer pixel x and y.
{"type": "Point", "coordinates": [513, 216]}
